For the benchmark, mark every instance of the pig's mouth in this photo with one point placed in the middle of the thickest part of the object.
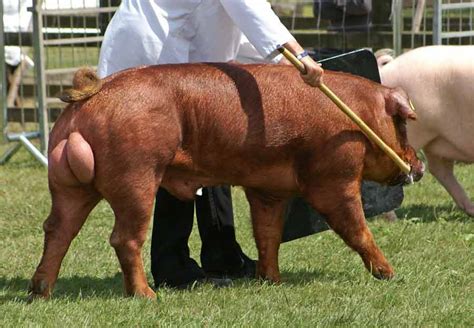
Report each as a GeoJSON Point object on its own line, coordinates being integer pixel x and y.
{"type": "Point", "coordinates": [401, 180]}
{"type": "Point", "coordinates": [416, 173]}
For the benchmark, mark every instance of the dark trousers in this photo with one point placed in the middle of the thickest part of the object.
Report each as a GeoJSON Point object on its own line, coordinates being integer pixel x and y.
{"type": "Point", "coordinates": [172, 225]}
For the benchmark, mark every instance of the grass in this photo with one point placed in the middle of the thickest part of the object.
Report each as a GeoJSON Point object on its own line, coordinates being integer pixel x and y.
{"type": "Point", "coordinates": [325, 284]}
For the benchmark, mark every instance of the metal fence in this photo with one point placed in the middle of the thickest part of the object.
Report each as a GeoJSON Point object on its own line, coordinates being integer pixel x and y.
{"type": "Point", "coordinates": [397, 24]}
{"type": "Point", "coordinates": [45, 41]}
{"type": "Point", "coordinates": [426, 22]}
{"type": "Point", "coordinates": [336, 24]}
{"type": "Point", "coordinates": [50, 39]}
{"type": "Point", "coordinates": [454, 22]}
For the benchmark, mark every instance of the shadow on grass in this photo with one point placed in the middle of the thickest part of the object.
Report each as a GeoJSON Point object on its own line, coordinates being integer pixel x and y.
{"type": "Point", "coordinates": [304, 277]}
{"type": "Point", "coordinates": [16, 289]}
{"type": "Point", "coordinates": [300, 278]}
{"type": "Point", "coordinates": [429, 213]}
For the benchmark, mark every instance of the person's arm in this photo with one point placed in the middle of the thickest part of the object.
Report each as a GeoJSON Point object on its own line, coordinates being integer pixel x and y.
{"type": "Point", "coordinates": [263, 28]}
{"type": "Point", "coordinates": [314, 71]}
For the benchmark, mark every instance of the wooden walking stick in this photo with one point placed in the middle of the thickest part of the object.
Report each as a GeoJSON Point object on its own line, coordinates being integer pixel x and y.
{"type": "Point", "coordinates": [405, 167]}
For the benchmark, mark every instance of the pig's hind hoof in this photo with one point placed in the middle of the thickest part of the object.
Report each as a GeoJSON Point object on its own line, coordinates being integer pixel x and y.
{"type": "Point", "coordinates": [37, 290]}
{"type": "Point", "coordinates": [33, 297]}
{"type": "Point", "coordinates": [146, 293]}
{"type": "Point", "coordinates": [150, 294]}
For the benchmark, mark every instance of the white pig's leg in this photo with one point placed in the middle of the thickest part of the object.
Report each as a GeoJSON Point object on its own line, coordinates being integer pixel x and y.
{"type": "Point", "coordinates": [442, 169]}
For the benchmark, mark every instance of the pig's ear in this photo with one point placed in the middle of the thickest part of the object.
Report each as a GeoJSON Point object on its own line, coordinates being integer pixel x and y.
{"type": "Point", "coordinates": [384, 60]}
{"type": "Point", "coordinates": [398, 103]}
{"type": "Point", "coordinates": [384, 56]}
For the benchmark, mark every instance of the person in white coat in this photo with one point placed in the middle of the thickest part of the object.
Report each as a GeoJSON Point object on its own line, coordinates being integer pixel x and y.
{"type": "Point", "coordinates": [150, 32]}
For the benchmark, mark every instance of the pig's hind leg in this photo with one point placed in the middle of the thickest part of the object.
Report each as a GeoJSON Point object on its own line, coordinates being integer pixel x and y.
{"type": "Point", "coordinates": [70, 208]}
{"type": "Point", "coordinates": [71, 169]}
{"type": "Point", "coordinates": [130, 186]}
{"type": "Point", "coordinates": [132, 202]}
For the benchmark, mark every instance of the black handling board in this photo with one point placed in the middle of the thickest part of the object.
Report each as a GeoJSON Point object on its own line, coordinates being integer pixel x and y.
{"type": "Point", "coordinates": [300, 219]}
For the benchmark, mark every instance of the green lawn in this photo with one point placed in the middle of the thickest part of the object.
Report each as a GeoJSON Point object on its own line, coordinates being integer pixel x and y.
{"type": "Point", "coordinates": [325, 284]}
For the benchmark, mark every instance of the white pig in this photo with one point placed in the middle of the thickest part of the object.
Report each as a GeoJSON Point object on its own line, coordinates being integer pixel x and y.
{"type": "Point", "coordinates": [440, 82]}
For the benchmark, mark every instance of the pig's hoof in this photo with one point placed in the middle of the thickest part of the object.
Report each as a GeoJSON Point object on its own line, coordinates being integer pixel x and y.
{"type": "Point", "coordinates": [32, 297]}
{"type": "Point", "coordinates": [383, 274]}
{"type": "Point", "coordinates": [149, 293]}
{"type": "Point", "coordinates": [145, 293]}
{"type": "Point", "coordinates": [469, 210]}
{"type": "Point", "coordinates": [38, 289]}
{"type": "Point", "coordinates": [273, 278]}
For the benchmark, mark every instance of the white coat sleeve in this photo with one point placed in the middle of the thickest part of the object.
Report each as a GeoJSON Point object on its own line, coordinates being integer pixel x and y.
{"type": "Point", "coordinates": [259, 23]}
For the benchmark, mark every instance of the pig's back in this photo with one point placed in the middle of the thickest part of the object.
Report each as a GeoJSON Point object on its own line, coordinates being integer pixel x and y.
{"type": "Point", "coordinates": [437, 79]}
{"type": "Point", "coordinates": [440, 82]}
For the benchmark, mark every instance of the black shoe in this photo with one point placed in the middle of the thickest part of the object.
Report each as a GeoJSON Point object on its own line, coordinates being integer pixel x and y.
{"type": "Point", "coordinates": [248, 269]}
{"type": "Point", "coordinates": [176, 272]}
{"type": "Point", "coordinates": [186, 275]}
{"type": "Point", "coordinates": [215, 282]}
{"type": "Point", "coordinates": [236, 266]}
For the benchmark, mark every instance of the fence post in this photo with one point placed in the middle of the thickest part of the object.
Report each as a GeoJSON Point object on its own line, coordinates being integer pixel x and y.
{"type": "Point", "coordinates": [437, 21]}
{"type": "Point", "coordinates": [3, 78]}
{"type": "Point", "coordinates": [40, 75]}
{"type": "Point", "coordinates": [397, 26]}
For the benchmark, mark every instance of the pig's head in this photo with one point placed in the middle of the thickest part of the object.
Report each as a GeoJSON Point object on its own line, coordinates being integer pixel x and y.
{"type": "Point", "coordinates": [384, 56]}
{"type": "Point", "coordinates": [392, 121]}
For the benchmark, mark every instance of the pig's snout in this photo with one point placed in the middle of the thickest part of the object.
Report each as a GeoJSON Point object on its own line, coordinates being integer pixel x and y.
{"type": "Point", "coordinates": [415, 174]}
{"type": "Point", "coordinates": [418, 171]}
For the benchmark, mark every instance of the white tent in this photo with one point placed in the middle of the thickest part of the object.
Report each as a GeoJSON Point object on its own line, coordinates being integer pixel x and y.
{"type": "Point", "coordinates": [16, 17]}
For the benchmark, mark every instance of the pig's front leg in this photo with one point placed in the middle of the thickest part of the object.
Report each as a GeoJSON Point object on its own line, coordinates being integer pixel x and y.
{"type": "Point", "coordinates": [341, 203]}
{"type": "Point", "coordinates": [267, 220]}
{"type": "Point", "coordinates": [442, 169]}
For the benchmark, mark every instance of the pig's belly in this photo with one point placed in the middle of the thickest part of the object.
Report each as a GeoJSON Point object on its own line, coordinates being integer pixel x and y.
{"type": "Point", "coordinates": [462, 151]}
{"type": "Point", "coordinates": [278, 180]}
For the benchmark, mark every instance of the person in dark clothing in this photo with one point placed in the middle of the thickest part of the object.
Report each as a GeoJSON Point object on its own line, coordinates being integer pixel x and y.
{"type": "Point", "coordinates": [344, 14]}
{"type": "Point", "coordinates": [221, 255]}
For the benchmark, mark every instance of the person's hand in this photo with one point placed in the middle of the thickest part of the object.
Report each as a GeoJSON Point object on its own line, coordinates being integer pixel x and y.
{"type": "Point", "coordinates": [314, 72]}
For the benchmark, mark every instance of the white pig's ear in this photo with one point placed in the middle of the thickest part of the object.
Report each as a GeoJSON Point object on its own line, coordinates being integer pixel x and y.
{"type": "Point", "coordinates": [384, 56]}
{"type": "Point", "coordinates": [398, 103]}
{"type": "Point", "coordinates": [384, 60]}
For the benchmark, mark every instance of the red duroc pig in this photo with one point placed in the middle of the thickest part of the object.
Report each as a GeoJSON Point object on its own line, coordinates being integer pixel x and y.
{"type": "Point", "coordinates": [440, 82]}
{"type": "Point", "coordinates": [187, 126]}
